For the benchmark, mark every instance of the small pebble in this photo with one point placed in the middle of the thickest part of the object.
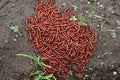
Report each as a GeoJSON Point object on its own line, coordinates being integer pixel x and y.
{"type": "Point", "coordinates": [29, 67]}
{"type": "Point", "coordinates": [117, 22]}
{"type": "Point", "coordinates": [108, 15]}
{"type": "Point", "coordinates": [106, 53]}
{"type": "Point", "coordinates": [7, 36]}
{"type": "Point", "coordinates": [102, 63]}
{"type": "Point", "coordinates": [84, 78]}
{"type": "Point", "coordinates": [101, 6]}
{"type": "Point", "coordinates": [15, 40]}
{"type": "Point", "coordinates": [118, 27]}
{"type": "Point", "coordinates": [100, 19]}
{"type": "Point", "coordinates": [98, 56]}
{"type": "Point", "coordinates": [13, 5]}
{"type": "Point", "coordinates": [88, 2]}
{"type": "Point", "coordinates": [98, 25]}
{"type": "Point", "coordinates": [98, 3]}
{"type": "Point", "coordinates": [112, 66]}
{"type": "Point", "coordinates": [16, 35]}
{"type": "Point", "coordinates": [86, 11]}
{"type": "Point", "coordinates": [112, 12]}
{"type": "Point", "coordinates": [86, 75]}
{"type": "Point", "coordinates": [93, 78]}
{"type": "Point", "coordinates": [105, 44]}
{"type": "Point", "coordinates": [113, 34]}
{"type": "Point", "coordinates": [114, 73]}
{"type": "Point", "coordinates": [63, 4]}
{"type": "Point", "coordinates": [95, 20]}
{"type": "Point", "coordinates": [91, 69]}
{"type": "Point", "coordinates": [71, 72]}
{"type": "Point", "coordinates": [6, 41]}
{"type": "Point", "coordinates": [110, 53]}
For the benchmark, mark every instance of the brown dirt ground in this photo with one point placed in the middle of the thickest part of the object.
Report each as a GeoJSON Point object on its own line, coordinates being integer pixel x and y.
{"type": "Point", "coordinates": [105, 62]}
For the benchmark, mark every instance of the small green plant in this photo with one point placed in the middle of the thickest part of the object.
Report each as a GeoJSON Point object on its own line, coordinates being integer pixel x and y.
{"type": "Point", "coordinates": [75, 7]}
{"type": "Point", "coordinates": [14, 28]}
{"type": "Point", "coordinates": [35, 59]}
{"type": "Point", "coordinates": [95, 1]}
{"type": "Point", "coordinates": [73, 18]}
{"type": "Point", "coordinates": [36, 73]}
{"type": "Point", "coordinates": [39, 75]}
{"type": "Point", "coordinates": [82, 21]}
{"type": "Point", "coordinates": [93, 14]}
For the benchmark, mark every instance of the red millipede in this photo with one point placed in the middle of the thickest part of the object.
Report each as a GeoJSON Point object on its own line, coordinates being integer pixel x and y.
{"type": "Point", "coordinates": [63, 44]}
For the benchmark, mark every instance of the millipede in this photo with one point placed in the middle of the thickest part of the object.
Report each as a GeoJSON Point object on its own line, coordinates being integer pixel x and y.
{"type": "Point", "coordinates": [63, 44]}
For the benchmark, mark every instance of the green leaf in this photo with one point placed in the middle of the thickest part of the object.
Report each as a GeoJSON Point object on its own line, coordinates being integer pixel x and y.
{"type": "Point", "coordinates": [40, 77]}
{"type": "Point", "coordinates": [47, 77]}
{"type": "Point", "coordinates": [92, 14]}
{"type": "Point", "coordinates": [14, 29]}
{"type": "Point", "coordinates": [75, 7]}
{"type": "Point", "coordinates": [34, 59]}
{"type": "Point", "coordinates": [95, 1]}
{"type": "Point", "coordinates": [73, 18]}
{"type": "Point", "coordinates": [36, 73]}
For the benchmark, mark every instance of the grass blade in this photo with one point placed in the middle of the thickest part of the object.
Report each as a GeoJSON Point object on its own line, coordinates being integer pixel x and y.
{"type": "Point", "coordinates": [34, 59]}
{"type": "Point", "coordinates": [40, 77]}
{"type": "Point", "coordinates": [47, 77]}
{"type": "Point", "coordinates": [73, 18]}
{"type": "Point", "coordinates": [36, 73]}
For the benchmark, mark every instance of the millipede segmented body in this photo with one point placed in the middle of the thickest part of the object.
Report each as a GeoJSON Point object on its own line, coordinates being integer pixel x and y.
{"type": "Point", "coordinates": [65, 44]}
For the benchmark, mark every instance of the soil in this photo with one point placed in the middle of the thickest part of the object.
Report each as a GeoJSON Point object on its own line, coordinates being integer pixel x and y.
{"type": "Point", "coordinates": [103, 65]}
